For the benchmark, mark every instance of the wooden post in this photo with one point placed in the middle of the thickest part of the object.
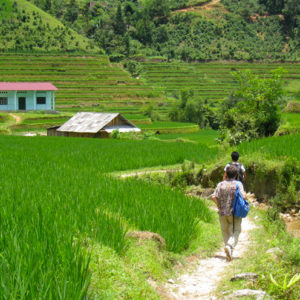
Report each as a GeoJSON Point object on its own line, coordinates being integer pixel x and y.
{"type": "Point", "coordinates": [53, 100]}
{"type": "Point", "coordinates": [34, 100]}
{"type": "Point", "coordinates": [15, 98]}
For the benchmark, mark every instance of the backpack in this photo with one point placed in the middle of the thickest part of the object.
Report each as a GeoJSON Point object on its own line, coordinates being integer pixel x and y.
{"type": "Point", "coordinates": [240, 206]}
{"type": "Point", "coordinates": [240, 176]}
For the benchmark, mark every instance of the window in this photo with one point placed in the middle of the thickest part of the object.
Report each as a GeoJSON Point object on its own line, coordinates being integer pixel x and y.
{"type": "Point", "coordinates": [41, 100]}
{"type": "Point", "coordinates": [3, 100]}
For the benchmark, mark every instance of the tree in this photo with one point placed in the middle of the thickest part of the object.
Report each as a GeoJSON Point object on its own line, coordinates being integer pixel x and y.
{"type": "Point", "coordinates": [48, 5]}
{"type": "Point", "coordinates": [144, 30]}
{"type": "Point", "coordinates": [291, 12]}
{"type": "Point", "coordinates": [119, 25]}
{"type": "Point", "coordinates": [273, 6]}
{"type": "Point", "coordinates": [253, 108]}
{"type": "Point", "coordinates": [72, 11]}
{"type": "Point", "coordinates": [127, 44]}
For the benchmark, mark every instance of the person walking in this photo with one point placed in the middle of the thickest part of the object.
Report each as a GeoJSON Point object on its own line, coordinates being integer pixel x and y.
{"type": "Point", "coordinates": [223, 197]}
{"type": "Point", "coordinates": [241, 176]}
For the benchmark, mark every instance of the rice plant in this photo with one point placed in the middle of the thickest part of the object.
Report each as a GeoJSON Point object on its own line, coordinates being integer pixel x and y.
{"type": "Point", "coordinates": [274, 147]}
{"type": "Point", "coordinates": [56, 194]}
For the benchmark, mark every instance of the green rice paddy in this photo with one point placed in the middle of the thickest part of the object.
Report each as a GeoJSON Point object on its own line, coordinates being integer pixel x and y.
{"type": "Point", "coordinates": [211, 81]}
{"type": "Point", "coordinates": [204, 136]}
{"type": "Point", "coordinates": [57, 198]}
{"type": "Point", "coordinates": [56, 195]}
{"type": "Point", "coordinates": [274, 147]}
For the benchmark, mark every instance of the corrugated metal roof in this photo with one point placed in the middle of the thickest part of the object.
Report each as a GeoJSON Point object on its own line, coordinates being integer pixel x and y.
{"type": "Point", "coordinates": [27, 86]}
{"type": "Point", "coordinates": [121, 128]}
{"type": "Point", "coordinates": [90, 122]}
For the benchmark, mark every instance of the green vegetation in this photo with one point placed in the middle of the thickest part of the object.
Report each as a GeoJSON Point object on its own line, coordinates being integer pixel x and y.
{"type": "Point", "coordinates": [253, 109]}
{"type": "Point", "coordinates": [204, 136]}
{"type": "Point", "coordinates": [228, 31]}
{"type": "Point", "coordinates": [273, 170]}
{"type": "Point", "coordinates": [273, 147]}
{"type": "Point", "coordinates": [25, 27]}
{"type": "Point", "coordinates": [170, 127]}
{"type": "Point", "coordinates": [5, 9]}
{"type": "Point", "coordinates": [61, 204]}
{"type": "Point", "coordinates": [85, 83]}
{"type": "Point", "coordinates": [290, 124]}
{"type": "Point", "coordinates": [211, 81]}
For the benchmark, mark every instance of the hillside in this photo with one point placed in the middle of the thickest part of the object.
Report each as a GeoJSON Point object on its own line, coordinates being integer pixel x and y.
{"type": "Point", "coordinates": [185, 30]}
{"type": "Point", "coordinates": [212, 81]}
{"type": "Point", "coordinates": [25, 27]}
{"type": "Point", "coordinates": [85, 83]}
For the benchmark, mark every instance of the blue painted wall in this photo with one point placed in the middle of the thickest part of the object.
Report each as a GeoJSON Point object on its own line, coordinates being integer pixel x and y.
{"type": "Point", "coordinates": [31, 102]}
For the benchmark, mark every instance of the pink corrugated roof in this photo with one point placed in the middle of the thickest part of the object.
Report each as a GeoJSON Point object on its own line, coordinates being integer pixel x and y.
{"type": "Point", "coordinates": [27, 86]}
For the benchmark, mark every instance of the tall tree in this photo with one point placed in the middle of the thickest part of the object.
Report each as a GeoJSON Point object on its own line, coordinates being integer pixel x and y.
{"type": "Point", "coordinates": [273, 6]}
{"type": "Point", "coordinates": [119, 24]}
{"type": "Point", "coordinates": [71, 14]}
{"type": "Point", "coordinates": [48, 5]}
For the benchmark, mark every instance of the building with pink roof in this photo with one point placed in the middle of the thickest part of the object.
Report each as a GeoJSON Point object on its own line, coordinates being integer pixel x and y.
{"type": "Point", "coordinates": [27, 96]}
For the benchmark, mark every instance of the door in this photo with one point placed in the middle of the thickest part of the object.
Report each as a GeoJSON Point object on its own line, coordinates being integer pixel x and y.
{"type": "Point", "coordinates": [22, 103]}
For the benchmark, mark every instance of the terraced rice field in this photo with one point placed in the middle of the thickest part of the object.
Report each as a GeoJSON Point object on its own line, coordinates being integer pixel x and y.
{"type": "Point", "coordinates": [84, 83]}
{"type": "Point", "coordinates": [205, 136]}
{"type": "Point", "coordinates": [170, 127]}
{"type": "Point", "coordinates": [211, 81]}
{"type": "Point", "coordinates": [62, 201]}
{"type": "Point", "coordinates": [274, 147]}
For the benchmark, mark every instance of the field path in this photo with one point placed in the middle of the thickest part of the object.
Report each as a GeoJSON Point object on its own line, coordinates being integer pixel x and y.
{"type": "Point", "coordinates": [17, 118]}
{"type": "Point", "coordinates": [201, 283]}
{"type": "Point", "coordinates": [139, 173]}
{"type": "Point", "coordinates": [205, 6]}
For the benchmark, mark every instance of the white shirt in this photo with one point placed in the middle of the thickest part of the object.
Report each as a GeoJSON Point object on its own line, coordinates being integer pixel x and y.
{"type": "Point", "coordinates": [237, 164]}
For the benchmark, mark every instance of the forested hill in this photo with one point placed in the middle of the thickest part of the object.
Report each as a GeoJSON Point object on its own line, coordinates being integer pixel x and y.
{"type": "Point", "coordinates": [188, 30]}
{"type": "Point", "coordinates": [25, 27]}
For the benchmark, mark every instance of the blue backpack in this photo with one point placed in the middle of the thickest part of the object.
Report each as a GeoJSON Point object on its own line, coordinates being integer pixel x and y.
{"type": "Point", "coordinates": [240, 206]}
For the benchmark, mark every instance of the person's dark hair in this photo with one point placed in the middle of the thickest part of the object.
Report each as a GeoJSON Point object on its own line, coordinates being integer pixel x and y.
{"type": "Point", "coordinates": [231, 172]}
{"type": "Point", "coordinates": [235, 156]}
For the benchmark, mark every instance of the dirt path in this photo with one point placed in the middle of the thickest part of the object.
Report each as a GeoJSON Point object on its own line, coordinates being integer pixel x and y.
{"type": "Point", "coordinates": [139, 173]}
{"type": "Point", "coordinates": [202, 282]}
{"type": "Point", "coordinates": [17, 118]}
{"type": "Point", "coordinates": [205, 6]}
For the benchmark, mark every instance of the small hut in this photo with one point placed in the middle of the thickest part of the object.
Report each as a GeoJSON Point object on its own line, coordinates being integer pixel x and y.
{"type": "Point", "coordinates": [95, 125]}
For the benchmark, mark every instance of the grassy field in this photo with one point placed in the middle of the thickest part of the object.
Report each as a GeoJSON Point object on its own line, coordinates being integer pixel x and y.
{"type": "Point", "coordinates": [204, 136]}
{"type": "Point", "coordinates": [293, 119]}
{"type": "Point", "coordinates": [62, 201]}
{"type": "Point", "coordinates": [170, 127]}
{"type": "Point", "coordinates": [273, 147]}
